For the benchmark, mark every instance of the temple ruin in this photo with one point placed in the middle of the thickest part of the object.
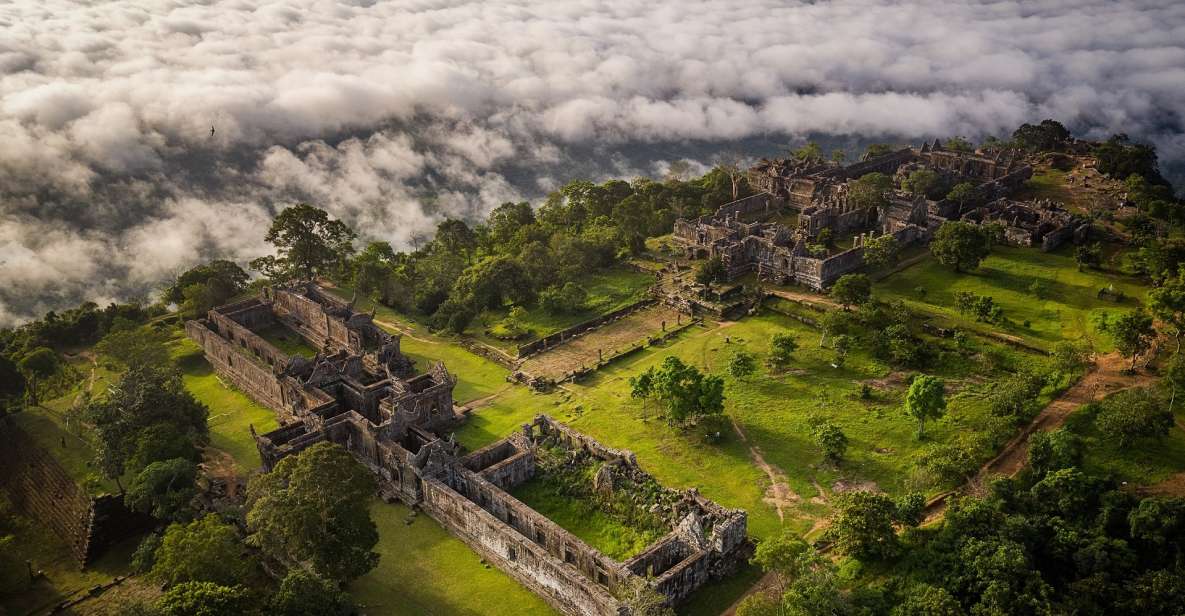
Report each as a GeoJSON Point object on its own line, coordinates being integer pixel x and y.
{"type": "Point", "coordinates": [361, 392]}
{"type": "Point", "coordinates": [817, 194]}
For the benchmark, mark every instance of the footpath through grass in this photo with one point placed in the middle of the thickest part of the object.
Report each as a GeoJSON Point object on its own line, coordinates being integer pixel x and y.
{"type": "Point", "coordinates": [1043, 288]}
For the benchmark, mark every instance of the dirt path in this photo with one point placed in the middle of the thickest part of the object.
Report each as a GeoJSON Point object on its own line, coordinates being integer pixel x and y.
{"type": "Point", "coordinates": [778, 494]}
{"type": "Point", "coordinates": [404, 330]}
{"type": "Point", "coordinates": [477, 403]}
{"type": "Point", "coordinates": [813, 299]}
{"type": "Point", "coordinates": [1106, 377]}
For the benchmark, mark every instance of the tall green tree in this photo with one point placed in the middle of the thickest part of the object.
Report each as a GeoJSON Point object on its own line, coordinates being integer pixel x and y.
{"type": "Point", "coordinates": [881, 251]}
{"type": "Point", "coordinates": [961, 245]}
{"type": "Point", "coordinates": [208, 285]}
{"type": "Point", "coordinates": [925, 400]}
{"type": "Point", "coordinates": [781, 350]}
{"type": "Point", "coordinates": [1133, 334]}
{"type": "Point", "coordinates": [204, 550]}
{"type": "Point", "coordinates": [165, 490]}
{"type": "Point", "coordinates": [308, 243]}
{"type": "Point", "coordinates": [146, 397]}
{"type": "Point", "coordinates": [871, 191]}
{"type": "Point", "coordinates": [306, 594]}
{"type": "Point", "coordinates": [136, 347]}
{"type": "Point", "coordinates": [742, 365]}
{"type": "Point", "coordinates": [38, 365]}
{"type": "Point", "coordinates": [313, 512]}
{"type": "Point", "coordinates": [852, 290]}
{"type": "Point", "coordinates": [688, 393]}
{"type": "Point", "coordinates": [206, 599]}
{"type": "Point", "coordinates": [862, 526]}
{"type": "Point", "coordinates": [1166, 302]}
{"type": "Point", "coordinates": [1134, 414]}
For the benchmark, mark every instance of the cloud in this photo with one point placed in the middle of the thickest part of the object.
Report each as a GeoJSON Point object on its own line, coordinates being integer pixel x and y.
{"type": "Point", "coordinates": [393, 115]}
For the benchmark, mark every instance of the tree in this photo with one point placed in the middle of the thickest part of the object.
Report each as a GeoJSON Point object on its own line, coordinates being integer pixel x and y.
{"type": "Point", "coordinates": [1118, 157]}
{"type": "Point", "coordinates": [811, 153]}
{"type": "Point", "coordinates": [862, 526]}
{"type": "Point", "coordinates": [870, 192]}
{"type": "Point", "coordinates": [1048, 136]}
{"type": "Point", "coordinates": [878, 149]}
{"type": "Point", "coordinates": [838, 155]}
{"type": "Point", "coordinates": [961, 193]}
{"type": "Point", "coordinates": [961, 245]}
{"type": "Point", "coordinates": [1174, 376]}
{"type": "Point", "coordinates": [642, 387]}
{"type": "Point", "coordinates": [164, 490]}
{"type": "Point", "coordinates": [204, 550]}
{"type": "Point", "coordinates": [1133, 334]}
{"type": "Point", "coordinates": [730, 164]}
{"type": "Point", "coordinates": [207, 286]}
{"type": "Point", "coordinates": [881, 251]}
{"type": "Point", "coordinates": [742, 365]}
{"type": "Point", "coordinates": [842, 346]}
{"type": "Point", "coordinates": [140, 346]}
{"type": "Point", "coordinates": [313, 512]}
{"type": "Point", "coordinates": [1088, 255]}
{"type": "Point", "coordinates": [925, 400]}
{"type": "Point", "coordinates": [372, 268]}
{"type": "Point", "coordinates": [922, 183]}
{"type": "Point", "coordinates": [1070, 356]}
{"type": "Point", "coordinates": [784, 555]}
{"type": "Point", "coordinates": [455, 236]}
{"type": "Point", "coordinates": [37, 365]}
{"type": "Point", "coordinates": [830, 439]}
{"type": "Point", "coordinates": [688, 393]}
{"type": "Point", "coordinates": [307, 242]}
{"type": "Point", "coordinates": [1134, 414]}
{"type": "Point", "coordinates": [958, 144]}
{"type": "Point", "coordinates": [306, 594]}
{"type": "Point", "coordinates": [852, 289]}
{"type": "Point", "coordinates": [781, 350]}
{"type": "Point", "coordinates": [12, 385]}
{"type": "Point", "coordinates": [1166, 302]}
{"type": "Point", "coordinates": [710, 271]}
{"type": "Point", "coordinates": [927, 600]}
{"type": "Point", "coordinates": [642, 599]}
{"type": "Point", "coordinates": [205, 599]}
{"type": "Point", "coordinates": [145, 397]}
{"type": "Point", "coordinates": [569, 298]}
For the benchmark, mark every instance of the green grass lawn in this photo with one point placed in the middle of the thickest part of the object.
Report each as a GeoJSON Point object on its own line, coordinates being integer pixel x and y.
{"type": "Point", "coordinates": [231, 411]}
{"type": "Point", "coordinates": [772, 410]}
{"type": "Point", "coordinates": [1145, 463]}
{"type": "Point", "coordinates": [1064, 308]}
{"type": "Point", "coordinates": [608, 290]}
{"type": "Point", "coordinates": [1048, 183]}
{"type": "Point", "coordinates": [287, 341]}
{"type": "Point", "coordinates": [423, 570]}
{"type": "Point", "coordinates": [583, 518]}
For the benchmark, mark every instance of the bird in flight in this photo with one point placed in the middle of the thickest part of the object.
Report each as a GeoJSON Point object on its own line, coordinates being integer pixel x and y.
{"type": "Point", "coordinates": [211, 130]}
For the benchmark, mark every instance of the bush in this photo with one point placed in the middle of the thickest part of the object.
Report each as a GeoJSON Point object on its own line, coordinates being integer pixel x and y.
{"type": "Point", "coordinates": [1132, 415]}
{"type": "Point", "coordinates": [566, 299]}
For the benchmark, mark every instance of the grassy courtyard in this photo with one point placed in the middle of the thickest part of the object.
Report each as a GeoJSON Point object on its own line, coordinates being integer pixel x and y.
{"type": "Point", "coordinates": [583, 518]}
{"type": "Point", "coordinates": [425, 570]}
{"type": "Point", "coordinates": [231, 411]}
{"type": "Point", "coordinates": [1044, 289]}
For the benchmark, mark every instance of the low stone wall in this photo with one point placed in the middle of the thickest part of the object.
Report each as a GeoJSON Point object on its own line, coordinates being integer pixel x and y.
{"type": "Point", "coordinates": [42, 490]}
{"type": "Point", "coordinates": [761, 203]}
{"type": "Point", "coordinates": [542, 344]}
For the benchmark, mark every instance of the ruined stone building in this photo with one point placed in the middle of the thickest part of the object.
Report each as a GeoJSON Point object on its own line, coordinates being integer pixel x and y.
{"type": "Point", "coordinates": [360, 391]}
{"type": "Point", "coordinates": [818, 193]}
{"type": "Point", "coordinates": [1043, 223]}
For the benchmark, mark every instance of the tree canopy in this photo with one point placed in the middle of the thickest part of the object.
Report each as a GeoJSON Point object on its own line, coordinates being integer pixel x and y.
{"type": "Point", "coordinates": [308, 243]}
{"type": "Point", "coordinates": [925, 400]}
{"type": "Point", "coordinates": [961, 245]}
{"type": "Point", "coordinates": [313, 512]}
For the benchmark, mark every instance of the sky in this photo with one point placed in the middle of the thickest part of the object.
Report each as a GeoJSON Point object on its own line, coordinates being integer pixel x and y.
{"type": "Point", "coordinates": [395, 114]}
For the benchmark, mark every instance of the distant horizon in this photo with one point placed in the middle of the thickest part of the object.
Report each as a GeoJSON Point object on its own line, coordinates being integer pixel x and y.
{"type": "Point", "coordinates": [392, 117]}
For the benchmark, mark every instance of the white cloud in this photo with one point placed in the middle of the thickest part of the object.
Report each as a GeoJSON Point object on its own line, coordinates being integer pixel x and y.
{"type": "Point", "coordinates": [394, 114]}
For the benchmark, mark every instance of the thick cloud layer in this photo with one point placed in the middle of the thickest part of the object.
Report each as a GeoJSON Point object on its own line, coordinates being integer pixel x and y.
{"type": "Point", "coordinates": [393, 114]}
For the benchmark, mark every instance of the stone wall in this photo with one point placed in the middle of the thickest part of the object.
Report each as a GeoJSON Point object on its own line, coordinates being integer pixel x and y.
{"type": "Point", "coordinates": [247, 372]}
{"type": "Point", "coordinates": [40, 488]}
{"type": "Point", "coordinates": [564, 571]}
{"type": "Point", "coordinates": [542, 344]}
{"type": "Point", "coordinates": [760, 203]}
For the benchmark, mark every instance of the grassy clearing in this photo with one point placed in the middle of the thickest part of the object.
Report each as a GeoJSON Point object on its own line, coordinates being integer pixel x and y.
{"type": "Point", "coordinates": [1063, 308]}
{"type": "Point", "coordinates": [608, 290]}
{"type": "Point", "coordinates": [1145, 463]}
{"type": "Point", "coordinates": [1047, 183]}
{"type": "Point", "coordinates": [772, 411]}
{"type": "Point", "coordinates": [231, 411]}
{"type": "Point", "coordinates": [425, 570]}
{"type": "Point", "coordinates": [584, 519]}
